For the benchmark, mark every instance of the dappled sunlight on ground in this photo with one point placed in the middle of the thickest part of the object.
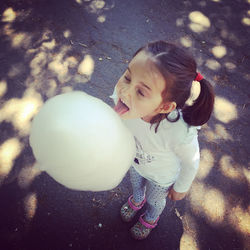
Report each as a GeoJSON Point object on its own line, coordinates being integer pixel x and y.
{"type": "Point", "coordinates": [60, 69]}
{"type": "Point", "coordinates": [197, 193]}
{"type": "Point", "coordinates": [199, 22]}
{"type": "Point", "coordinates": [246, 173]}
{"type": "Point", "coordinates": [186, 41]}
{"type": "Point", "coordinates": [9, 151]}
{"type": "Point", "coordinates": [67, 33]}
{"type": "Point", "coordinates": [27, 175]}
{"type": "Point", "coordinates": [16, 70]}
{"type": "Point", "coordinates": [21, 40]}
{"type": "Point", "coordinates": [30, 205]}
{"type": "Point", "coordinates": [3, 88]}
{"type": "Point", "coordinates": [66, 89]}
{"type": "Point", "coordinates": [96, 7]}
{"type": "Point", "coordinates": [58, 66]}
{"type": "Point", "coordinates": [52, 66]}
{"type": "Point", "coordinates": [188, 242]}
{"type": "Point", "coordinates": [206, 163]}
{"type": "Point", "coordinates": [230, 66]}
{"type": "Point", "coordinates": [52, 88]}
{"type": "Point", "coordinates": [50, 44]}
{"type": "Point", "coordinates": [20, 111]}
{"type": "Point", "coordinates": [86, 67]}
{"type": "Point", "coordinates": [214, 205]}
{"type": "Point", "coordinates": [246, 21]}
{"type": "Point", "coordinates": [247, 77]}
{"type": "Point", "coordinates": [9, 15]}
{"type": "Point", "coordinates": [224, 110]}
{"type": "Point", "coordinates": [210, 202]}
{"type": "Point", "coordinates": [230, 169]}
{"type": "Point", "coordinates": [179, 22]}
{"type": "Point", "coordinates": [207, 201]}
{"type": "Point", "coordinates": [213, 64]}
{"type": "Point", "coordinates": [101, 19]}
{"type": "Point", "coordinates": [202, 24]}
{"type": "Point", "coordinates": [219, 51]}
{"type": "Point", "coordinates": [79, 1]}
{"type": "Point", "coordinates": [37, 63]}
{"type": "Point", "coordinates": [17, 39]}
{"type": "Point", "coordinates": [189, 239]}
{"type": "Point", "coordinates": [240, 219]}
{"type": "Point", "coordinates": [219, 132]}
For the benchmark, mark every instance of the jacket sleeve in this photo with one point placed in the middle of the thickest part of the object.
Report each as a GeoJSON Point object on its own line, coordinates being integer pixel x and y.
{"type": "Point", "coordinates": [189, 155]}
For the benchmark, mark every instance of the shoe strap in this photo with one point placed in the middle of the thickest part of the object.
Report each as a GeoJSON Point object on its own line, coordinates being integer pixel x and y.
{"type": "Point", "coordinates": [146, 224]}
{"type": "Point", "coordinates": [135, 208]}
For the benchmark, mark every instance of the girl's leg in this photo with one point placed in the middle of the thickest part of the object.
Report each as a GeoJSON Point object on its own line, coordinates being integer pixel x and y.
{"type": "Point", "coordinates": [138, 185]}
{"type": "Point", "coordinates": [137, 200]}
{"type": "Point", "coordinates": [156, 201]}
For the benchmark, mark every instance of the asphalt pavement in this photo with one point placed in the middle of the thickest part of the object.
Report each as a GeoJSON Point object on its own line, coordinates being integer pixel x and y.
{"type": "Point", "coordinates": [48, 47]}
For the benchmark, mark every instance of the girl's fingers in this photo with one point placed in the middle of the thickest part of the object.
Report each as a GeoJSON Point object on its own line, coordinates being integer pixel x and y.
{"type": "Point", "coordinates": [170, 196]}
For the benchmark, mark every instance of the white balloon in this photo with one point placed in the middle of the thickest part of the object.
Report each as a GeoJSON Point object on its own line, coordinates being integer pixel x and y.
{"type": "Point", "coordinates": [81, 142]}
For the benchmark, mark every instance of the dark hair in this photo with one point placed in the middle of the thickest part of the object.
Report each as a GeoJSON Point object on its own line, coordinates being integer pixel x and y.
{"type": "Point", "coordinates": [179, 71]}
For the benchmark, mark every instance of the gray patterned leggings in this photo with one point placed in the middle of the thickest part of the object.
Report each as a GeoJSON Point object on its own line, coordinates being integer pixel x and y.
{"type": "Point", "coordinates": [155, 194]}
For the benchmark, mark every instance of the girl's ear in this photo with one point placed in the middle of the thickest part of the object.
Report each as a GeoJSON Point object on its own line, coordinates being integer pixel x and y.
{"type": "Point", "coordinates": [167, 107]}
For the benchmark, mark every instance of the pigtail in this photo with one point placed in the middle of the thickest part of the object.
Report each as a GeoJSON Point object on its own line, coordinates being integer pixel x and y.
{"type": "Point", "coordinates": [200, 112]}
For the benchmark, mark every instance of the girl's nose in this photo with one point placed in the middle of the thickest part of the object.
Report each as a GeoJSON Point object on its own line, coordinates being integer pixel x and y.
{"type": "Point", "coordinates": [126, 90]}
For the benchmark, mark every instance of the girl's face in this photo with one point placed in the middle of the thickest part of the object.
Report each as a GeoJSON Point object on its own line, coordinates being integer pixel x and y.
{"type": "Point", "coordinates": [139, 89]}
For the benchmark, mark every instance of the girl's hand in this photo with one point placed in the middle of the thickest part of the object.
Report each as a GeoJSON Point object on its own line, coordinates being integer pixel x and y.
{"type": "Point", "coordinates": [175, 196]}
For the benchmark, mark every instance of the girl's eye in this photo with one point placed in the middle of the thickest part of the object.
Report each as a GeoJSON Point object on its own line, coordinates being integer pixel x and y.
{"type": "Point", "coordinates": [140, 92]}
{"type": "Point", "coordinates": [127, 78]}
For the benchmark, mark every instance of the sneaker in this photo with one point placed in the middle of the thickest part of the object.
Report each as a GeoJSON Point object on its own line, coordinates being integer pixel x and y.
{"type": "Point", "coordinates": [142, 229]}
{"type": "Point", "coordinates": [129, 210]}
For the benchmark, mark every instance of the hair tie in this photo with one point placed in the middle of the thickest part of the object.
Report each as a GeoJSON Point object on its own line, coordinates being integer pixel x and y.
{"type": "Point", "coordinates": [198, 77]}
{"type": "Point", "coordinates": [194, 92]}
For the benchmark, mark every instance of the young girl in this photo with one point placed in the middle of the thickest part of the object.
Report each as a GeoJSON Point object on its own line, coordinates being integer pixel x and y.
{"type": "Point", "coordinates": [162, 100]}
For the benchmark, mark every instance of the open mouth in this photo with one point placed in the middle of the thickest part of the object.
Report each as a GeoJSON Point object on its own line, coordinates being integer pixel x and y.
{"type": "Point", "coordinates": [121, 108]}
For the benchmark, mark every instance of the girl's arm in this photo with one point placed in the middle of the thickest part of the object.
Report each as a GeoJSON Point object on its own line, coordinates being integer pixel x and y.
{"type": "Point", "coordinates": [189, 156]}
